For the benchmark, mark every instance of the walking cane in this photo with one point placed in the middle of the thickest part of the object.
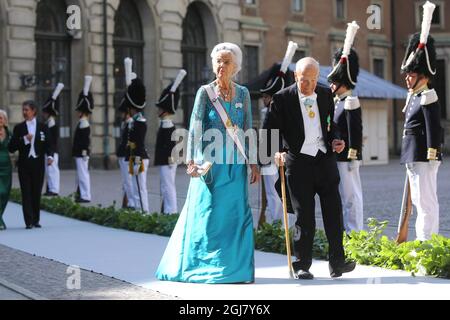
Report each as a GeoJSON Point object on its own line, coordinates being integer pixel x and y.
{"type": "Point", "coordinates": [286, 221]}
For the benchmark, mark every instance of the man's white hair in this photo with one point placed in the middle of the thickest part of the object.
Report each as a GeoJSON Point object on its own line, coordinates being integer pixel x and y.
{"type": "Point", "coordinates": [5, 115]}
{"type": "Point", "coordinates": [232, 48]}
{"type": "Point", "coordinates": [306, 63]}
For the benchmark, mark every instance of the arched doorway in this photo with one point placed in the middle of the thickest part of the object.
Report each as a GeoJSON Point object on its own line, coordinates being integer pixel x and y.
{"type": "Point", "coordinates": [195, 49]}
{"type": "Point", "coordinates": [53, 65]}
{"type": "Point", "coordinates": [128, 42]}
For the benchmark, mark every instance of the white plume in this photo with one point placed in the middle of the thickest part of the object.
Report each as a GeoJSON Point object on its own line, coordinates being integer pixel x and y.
{"type": "Point", "coordinates": [292, 47]}
{"type": "Point", "coordinates": [57, 91]}
{"type": "Point", "coordinates": [87, 84]}
{"type": "Point", "coordinates": [181, 74]}
{"type": "Point", "coordinates": [428, 9]}
{"type": "Point", "coordinates": [128, 70]}
{"type": "Point", "coordinates": [352, 29]}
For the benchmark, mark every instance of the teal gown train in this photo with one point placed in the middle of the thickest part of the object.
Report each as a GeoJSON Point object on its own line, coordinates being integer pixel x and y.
{"type": "Point", "coordinates": [213, 239]}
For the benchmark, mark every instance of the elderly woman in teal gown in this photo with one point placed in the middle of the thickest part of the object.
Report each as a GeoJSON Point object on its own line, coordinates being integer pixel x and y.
{"type": "Point", "coordinates": [5, 166]}
{"type": "Point", "coordinates": [213, 238]}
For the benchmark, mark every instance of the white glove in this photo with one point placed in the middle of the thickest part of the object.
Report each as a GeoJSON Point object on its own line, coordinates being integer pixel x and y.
{"type": "Point", "coordinates": [352, 165]}
{"type": "Point", "coordinates": [137, 165]}
{"type": "Point", "coordinates": [85, 158]}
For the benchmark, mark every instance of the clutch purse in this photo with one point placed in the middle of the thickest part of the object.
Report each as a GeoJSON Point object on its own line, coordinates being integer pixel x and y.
{"type": "Point", "coordinates": [204, 168]}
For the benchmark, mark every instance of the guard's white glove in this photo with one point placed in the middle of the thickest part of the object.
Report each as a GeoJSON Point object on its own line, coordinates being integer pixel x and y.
{"type": "Point", "coordinates": [352, 165]}
{"type": "Point", "coordinates": [137, 166]}
{"type": "Point", "coordinates": [84, 155]}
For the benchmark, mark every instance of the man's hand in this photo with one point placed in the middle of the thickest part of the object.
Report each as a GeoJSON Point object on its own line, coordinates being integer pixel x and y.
{"type": "Point", "coordinates": [338, 145]}
{"type": "Point", "coordinates": [255, 175]}
{"type": "Point", "coordinates": [29, 137]}
{"type": "Point", "coordinates": [280, 158]}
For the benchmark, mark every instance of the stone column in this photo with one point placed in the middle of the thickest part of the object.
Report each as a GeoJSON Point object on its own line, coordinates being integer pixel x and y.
{"type": "Point", "coordinates": [20, 54]}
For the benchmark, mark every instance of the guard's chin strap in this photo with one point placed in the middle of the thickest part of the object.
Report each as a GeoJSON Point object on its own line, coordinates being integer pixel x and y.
{"type": "Point", "coordinates": [337, 89]}
{"type": "Point", "coordinates": [416, 83]}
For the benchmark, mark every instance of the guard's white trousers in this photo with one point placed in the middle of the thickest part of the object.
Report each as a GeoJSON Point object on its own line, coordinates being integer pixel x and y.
{"type": "Point", "coordinates": [167, 175]}
{"type": "Point", "coordinates": [351, 195]}
{"type": "Point", "coordinates": [274, 210]}
{"type": "Point", "coordinates": [127, 187]}
{"type": "Point", "coordinates": [423, 183]}
{"type": "Point", "coordinates": [142, 177]}
{"type": "Point", "coordinates": [53, 175]}
{"type": "Point", "coordinates": [83, 179]}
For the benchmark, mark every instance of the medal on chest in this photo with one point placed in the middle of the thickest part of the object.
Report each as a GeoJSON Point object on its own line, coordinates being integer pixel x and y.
{"type": "Point", "coordinates": [311, 113]}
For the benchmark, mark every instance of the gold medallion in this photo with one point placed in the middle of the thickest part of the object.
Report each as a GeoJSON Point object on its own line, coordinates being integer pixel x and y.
{"type": "Point", "coordinates": [311, 113]}
{"type": "Point", "coordinates": [229, 124]}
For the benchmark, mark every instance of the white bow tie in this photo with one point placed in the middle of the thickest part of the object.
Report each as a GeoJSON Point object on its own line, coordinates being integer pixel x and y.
{"type": "Point", "coordinates": [309, 100]}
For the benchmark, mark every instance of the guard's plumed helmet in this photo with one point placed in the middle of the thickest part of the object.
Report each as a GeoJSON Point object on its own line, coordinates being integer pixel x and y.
{"type": "Point", "coordinates": [85, 102]}
{"type": "Point", "coordinates": [168, 101]}
{"type": "Point", "coordinates": [342, 75]}
{"type": "Point", "coordinates": [135, 96]}
{"type": "Point", "coordinates": [51, 106]}
{"type": "Point", "coordinates": [420, 56]}
{"type": "Point", "coordinates": [277, 80]}
{"type": "Point", "coordinates": [345, 61]}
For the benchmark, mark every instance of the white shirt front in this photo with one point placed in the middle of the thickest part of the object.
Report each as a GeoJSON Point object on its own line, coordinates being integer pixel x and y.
{"type": "Point", "coordinates": [313, 129]}
{"type": "Point", "coordinates": [31, 126]}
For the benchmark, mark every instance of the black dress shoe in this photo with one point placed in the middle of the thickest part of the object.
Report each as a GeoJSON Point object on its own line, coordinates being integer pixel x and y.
{"type": "Point", "coordinates": [304, 275]}
{"type": "Point", "coordinates": [82, 201]}
{"type": "Point", "coordinates": [51, 194]}
{"type": "Point", "coordinates": [29, 227]}
{"type": "Point", "coordinates": [37, 225]}
{"type": "Point", "coordinates": [338, 270]}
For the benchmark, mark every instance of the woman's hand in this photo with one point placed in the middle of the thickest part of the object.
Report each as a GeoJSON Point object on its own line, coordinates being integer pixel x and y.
{"type": "Point", "coordinates": [192, 169]}
{"type": "Point", "coordinates": [255, 175]}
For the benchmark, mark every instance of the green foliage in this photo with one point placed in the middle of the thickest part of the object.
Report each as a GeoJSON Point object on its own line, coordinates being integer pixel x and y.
{"type": "Point", "coordinates": [271, 238]}
{"type": "Point", "coordinates": [369, 247]}
{"type": "Point", "coordinates": [430, 257]}
{"type": "Point", "coordinates": [110, 217]}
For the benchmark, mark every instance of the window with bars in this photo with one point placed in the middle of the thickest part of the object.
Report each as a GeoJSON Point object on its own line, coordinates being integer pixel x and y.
{"type": "Point", "coordinates": [340, 9]}
{"type": "Point", "coordinates": [251, 63]}
{"type": "Point", "coordinates": [298, 6]}
{"type": "Point", "coordinates": [250, 2]}
{"type": "Point", "coordinates": [378, 67]}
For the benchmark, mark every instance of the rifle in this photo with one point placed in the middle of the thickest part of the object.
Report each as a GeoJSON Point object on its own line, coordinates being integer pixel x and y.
{"type": "Point", "coordinates": [405, 213]}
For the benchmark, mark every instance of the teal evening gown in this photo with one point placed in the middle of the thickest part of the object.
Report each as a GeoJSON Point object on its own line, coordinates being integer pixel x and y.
{"type": "Point", "coordinates": [5, 177]}
{"type": "Point", "coordinates": [213, 239]}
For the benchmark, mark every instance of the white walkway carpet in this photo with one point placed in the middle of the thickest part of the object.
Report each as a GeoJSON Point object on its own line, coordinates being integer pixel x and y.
{"type": "Point", "coordinates": [134, 257]}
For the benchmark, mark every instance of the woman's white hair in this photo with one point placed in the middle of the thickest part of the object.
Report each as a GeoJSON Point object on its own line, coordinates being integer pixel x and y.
{"type": "Point", "coordinates": [5, 115]}
{"type": "Point", "coordinates": [232, 48]}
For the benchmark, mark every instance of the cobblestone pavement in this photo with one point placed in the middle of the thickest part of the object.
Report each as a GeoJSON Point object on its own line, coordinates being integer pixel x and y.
{"type": "Point", "coordinates": [49, 279]}
{"type": "Point", "coordinates": [382, 188]}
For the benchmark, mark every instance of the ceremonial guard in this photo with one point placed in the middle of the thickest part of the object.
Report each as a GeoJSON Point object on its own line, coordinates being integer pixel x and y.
{"type": "Point", "coordinates": [136, 153]}
{"type": "Point", "coordinates": [348, 117]}
{"type": "Point", "coordinates": [50, 112]}
{"type": "Point", "coordinates": [81, 142]}
{"type": "Point", "coordinates": [127, 186]}
{"type": "Point", "coordinates": [269, 172]}
{"type": "Point", "coordinates": [422, 134]}
{"type": "Point", "coordinates": [167, 106]}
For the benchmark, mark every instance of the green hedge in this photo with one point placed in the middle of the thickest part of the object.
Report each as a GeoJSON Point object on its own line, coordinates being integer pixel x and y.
{"type": "Point", "coordinates": [366, 247]}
